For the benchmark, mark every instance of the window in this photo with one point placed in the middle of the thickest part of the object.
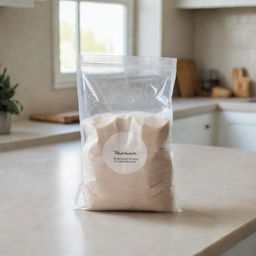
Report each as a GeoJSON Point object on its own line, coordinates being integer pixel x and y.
{"type": "Point", "coordinates": [89, 27]}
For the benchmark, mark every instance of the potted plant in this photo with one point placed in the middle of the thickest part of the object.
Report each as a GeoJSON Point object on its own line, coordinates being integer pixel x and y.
{"type": "Point", "coordinates": [8, 106]}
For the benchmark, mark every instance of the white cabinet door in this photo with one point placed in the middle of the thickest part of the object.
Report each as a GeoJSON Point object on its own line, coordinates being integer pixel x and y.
{"type": "Point", "coordinates": [199, 129]}
{"type": "Point", "coordinates": [237, 130]}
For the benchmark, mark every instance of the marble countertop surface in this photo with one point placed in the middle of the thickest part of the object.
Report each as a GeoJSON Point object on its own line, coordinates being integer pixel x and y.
{"type": "Point", "coordinates": [215, 187]}
{"type": "Point", "coordinates": [184, 107]}
{"type": "Point", "coordinates": [28, 133]}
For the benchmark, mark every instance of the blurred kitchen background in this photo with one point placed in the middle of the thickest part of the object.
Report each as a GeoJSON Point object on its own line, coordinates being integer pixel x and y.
{"type": "Point", "coordinates": [40, 42]}
{"type": "Point", "coordinates": [220, 38]}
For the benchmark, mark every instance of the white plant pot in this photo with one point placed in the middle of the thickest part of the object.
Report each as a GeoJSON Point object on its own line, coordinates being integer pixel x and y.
{"type": "Point", "coordinates": [5, 123]}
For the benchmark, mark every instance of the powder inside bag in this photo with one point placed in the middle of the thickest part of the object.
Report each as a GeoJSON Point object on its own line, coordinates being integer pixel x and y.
{"type": "Point", "coordinates": [127, 163]}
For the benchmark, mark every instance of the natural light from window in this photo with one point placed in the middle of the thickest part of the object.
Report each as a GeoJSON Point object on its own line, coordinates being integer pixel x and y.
{"type": "Point", "coordinates": [103, 29]}
{"type": "Point", "coordinates": [68, 45]}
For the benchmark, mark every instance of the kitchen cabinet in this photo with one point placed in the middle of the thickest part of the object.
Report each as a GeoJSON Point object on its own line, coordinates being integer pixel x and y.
{"type": "Point", "coordinates": [237, 130]}
{"type": "Point", "coordinates": [232, 129]}
{"type": "Point", "coordinates": [18, 3]}
{"type": "Point", "coordinates": [206, 4]}
{"type": "Point", "coordinates": [198, 129]}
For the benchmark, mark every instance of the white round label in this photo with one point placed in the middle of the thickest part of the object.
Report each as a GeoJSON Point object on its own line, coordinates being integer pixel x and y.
{"type": "Point", "coordinates": [125, 153]}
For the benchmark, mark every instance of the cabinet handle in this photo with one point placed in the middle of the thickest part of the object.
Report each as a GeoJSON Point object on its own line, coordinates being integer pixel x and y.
{"type": "Point", "coordinates": [207, 126]}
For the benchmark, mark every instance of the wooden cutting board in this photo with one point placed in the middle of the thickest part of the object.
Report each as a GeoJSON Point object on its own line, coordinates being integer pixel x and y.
{"type": "Point", "coordinates": [64, 118]}
{"type": "Point", "coordinates": [188, 77]}
{"type": "Point", "coordinates": [242, 85]}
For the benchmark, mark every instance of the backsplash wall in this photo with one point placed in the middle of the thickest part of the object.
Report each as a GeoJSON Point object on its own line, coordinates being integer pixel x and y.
{"type": "Point", "coordinates": [226, 38]}
{"type": "Point", "coordinates": [178, 31]}
{"type": "Point", "coordinates": [26, 50]}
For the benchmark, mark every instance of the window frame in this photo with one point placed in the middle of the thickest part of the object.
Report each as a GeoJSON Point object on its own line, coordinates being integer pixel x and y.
{"type": "Point", "coordinates": [68, 80]}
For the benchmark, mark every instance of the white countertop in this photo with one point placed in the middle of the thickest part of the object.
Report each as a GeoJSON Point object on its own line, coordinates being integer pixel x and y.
{"type": "Point", "coordinates": [28, 133]}
{"type": "Point", "coordinates": [215, 186]}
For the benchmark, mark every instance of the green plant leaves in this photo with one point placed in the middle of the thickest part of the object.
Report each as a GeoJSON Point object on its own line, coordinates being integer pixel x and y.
{"type": "Point", "coordinates": [2, 76]}
{"type": "Point", "coordinates": [7, 104]}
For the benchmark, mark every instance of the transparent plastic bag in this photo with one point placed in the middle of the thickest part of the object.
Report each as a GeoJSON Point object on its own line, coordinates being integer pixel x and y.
{"type": "Point", "coordinates": [126, 111]}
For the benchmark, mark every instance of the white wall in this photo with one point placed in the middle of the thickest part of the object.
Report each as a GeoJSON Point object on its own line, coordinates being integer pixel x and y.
{"type": "Point", "coordinates": [149, 22]}
{"type": "Point", "coordinates": [178, 31]}
{"type": "Point", "coordinates": [226, 38]}
{"type": "Point", "coordinates": [26, 50]}
{"type": "Point", "coordinates": [163, 30]}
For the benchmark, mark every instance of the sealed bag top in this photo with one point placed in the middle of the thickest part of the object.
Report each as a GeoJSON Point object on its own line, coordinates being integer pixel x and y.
{"type": "Point", "coordinates": [114, 84]}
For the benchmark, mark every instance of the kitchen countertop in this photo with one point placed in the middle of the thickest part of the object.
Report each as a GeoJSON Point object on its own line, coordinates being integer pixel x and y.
{"type": "Point", "coordinates": [28, 133]}
{"type": "Point", "coordinates": [215, 186]}
{"type": "Point", "coordinates": [184, 107]}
